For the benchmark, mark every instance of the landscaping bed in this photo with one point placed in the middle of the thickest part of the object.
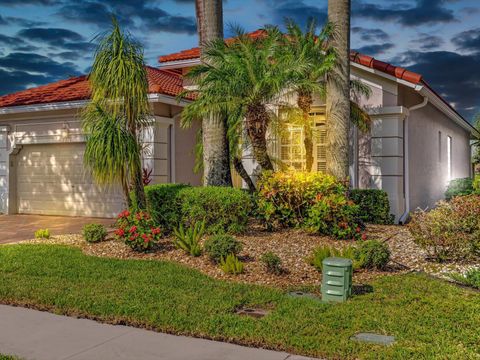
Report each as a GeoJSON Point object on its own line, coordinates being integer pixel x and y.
{"type": "Point", "coordinates": [172, 298]}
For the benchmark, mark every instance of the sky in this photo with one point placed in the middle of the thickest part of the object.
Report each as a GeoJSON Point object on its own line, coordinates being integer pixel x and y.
{"type": "Point", "coordinates": [47, 40]}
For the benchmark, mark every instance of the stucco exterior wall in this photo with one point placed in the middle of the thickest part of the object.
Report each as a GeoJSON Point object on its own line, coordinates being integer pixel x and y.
{"type": "Point", "coordinates": [428, 129]}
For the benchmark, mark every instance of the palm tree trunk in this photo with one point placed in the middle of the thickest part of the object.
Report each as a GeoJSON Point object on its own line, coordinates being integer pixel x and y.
{"type": "Point", "coordinates": [216, 158]}
{"type": "Point", "coordinates": [237, 163]}
{"type": "Point", "coordinates": [338, 92]}
{"type": "Point", "coordinates": [304, 102]}
{"type": "Point", "coordinates": [257, 123]}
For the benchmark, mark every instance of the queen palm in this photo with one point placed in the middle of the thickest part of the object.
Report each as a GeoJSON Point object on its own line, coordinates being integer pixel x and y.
{"type": "Point", "coordinates": [216, 164]}
{"type": "Point", "coordinates": [118, 109]}
{"type": "Point", "coordinates": [242, 77]}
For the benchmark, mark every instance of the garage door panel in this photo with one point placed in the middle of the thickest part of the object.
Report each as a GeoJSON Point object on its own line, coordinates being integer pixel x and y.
{"type": "Point", "coordinates": [51, 180]}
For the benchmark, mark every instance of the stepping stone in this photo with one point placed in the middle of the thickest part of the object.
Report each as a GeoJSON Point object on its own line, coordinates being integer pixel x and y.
{"type": "Point", "coordinates": [255, 313]}
{"type": "Point", "coordinates": [301, 294]}
{"type": "Point", "coordinates": [374, 338]}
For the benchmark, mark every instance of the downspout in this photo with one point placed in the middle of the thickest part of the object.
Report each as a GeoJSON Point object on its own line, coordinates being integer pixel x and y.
{"type": "Point", "coordinates": [406, 161]}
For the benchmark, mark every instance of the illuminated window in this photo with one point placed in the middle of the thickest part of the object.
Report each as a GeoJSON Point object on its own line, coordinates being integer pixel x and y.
{"type": "Point", "coordinates": [320, 141]}
{"type": "Point", "coordinates": [449, 157]}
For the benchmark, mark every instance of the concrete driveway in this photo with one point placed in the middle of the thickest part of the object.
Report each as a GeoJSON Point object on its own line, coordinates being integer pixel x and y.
{"type": "Point", "coordinates": [22, 227]}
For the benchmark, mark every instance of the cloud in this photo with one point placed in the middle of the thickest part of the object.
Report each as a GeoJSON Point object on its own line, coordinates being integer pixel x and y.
{"type": "Point", "coordinates": [37, 64]}
{"type": "Point", "coordinates": [370, 35]}
{"type": "Point", "coordinates": [376, 49]}
{"type": "Point", "coordinates": [13, 81]}
{"type": "Point", "coordinates": [10, 40]}
{"type": "Point", "coordinates": [454, 76]}
{"type": "Point", "coordinates": [428, 42]}
{"type": "Point", "coordinates": [51, 36]}
{"type": "Point", "coordinates": [134, 14]}
{"type": "Point", "coordinates": [468, 40]}
{"type": "Point", "coordinates": [28, 2]}
{"type": "Point", "coordinates": [424, 12]}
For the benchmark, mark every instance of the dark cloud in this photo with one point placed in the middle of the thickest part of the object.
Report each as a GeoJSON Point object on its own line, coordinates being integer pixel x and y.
{"type": "Point", "coordinates": [133, 14]}
{"type": "Point", "coordinates": [37, 64]}
{"type": "Point", "coordinates": [428, 42]}
{"type": "Point", "coordinates": [424, 12]}
{"type": "Point", "coordinates": [454, 76]}
{"type": "Point", "coordinates": [66, 55]}
{"type": "Point", "coordinates": [3, 21]}
{"type": "Point", "coordinates": [11, 41]}
{"type": "Point", "coordinates": [51, 36]}
{"type": "Point", "coordinates": [18, 80]}
{"type": "Point", "coordinates": [370, 34]}
{"type": "Point", "coordinates": [28, 2]}
{"type": "Point", "coordinates": [468, 40]}
{"type": "Point", "coordinates": [11, 20]}
{"type": "Point", "coordinates": [376, 49]}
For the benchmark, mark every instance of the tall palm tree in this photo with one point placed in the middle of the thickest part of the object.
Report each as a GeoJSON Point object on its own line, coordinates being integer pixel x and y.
{"type": "Point", "coordinates": [314, 52]}
{"type": "Point", "coordinates": [216, 162]}
{"type": "Point", "coordinates": [338, 92]}
{"type": "Point", "coordinates": [242, 78]}
{"type": "Point", "coordinates": [118, 109]}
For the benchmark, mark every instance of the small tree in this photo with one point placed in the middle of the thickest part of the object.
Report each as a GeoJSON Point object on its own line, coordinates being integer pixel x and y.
{"type": "Point", "coordinates": [118, 109]}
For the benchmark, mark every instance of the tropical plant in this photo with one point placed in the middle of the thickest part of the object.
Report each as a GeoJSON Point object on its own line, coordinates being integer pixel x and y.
{"type": "Point", "coordinates": [338, 92]}
{"type": "Point", "coordinates": [372, 254]}
{"type": "Point", "coordinates": [118, 109]}
{"type": "Point", "coordinates": [476, 142]}
{"type": "Point", "coordinates": [231, 265]}
{"type": "Point", "coordinates": [238, 80]}
{"type": "Point", "coordinates": [137, 230]}
{"type": "Point", "coordinates": [215, 147]}
{"type": "Point", "coordinates": [320, 253]}
{"type": "Point", "coordinates": [94, 232]}
{"type": "Point", "coordinates": [470, 278]}
{"type": "Point", "coordinates": [272, 262]}
{"type": "Point", "coordinates": [189, 240]}
{"type": "Point", "coordinates": [220, 246]}
{"type": "Point", "coordinates": [42, 234]}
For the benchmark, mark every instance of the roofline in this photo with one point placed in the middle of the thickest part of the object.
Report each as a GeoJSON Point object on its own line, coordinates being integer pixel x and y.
{"type": "Point", "coordinates": [178, 64]}
{"type": "Point", "coordinates": [77, 104]}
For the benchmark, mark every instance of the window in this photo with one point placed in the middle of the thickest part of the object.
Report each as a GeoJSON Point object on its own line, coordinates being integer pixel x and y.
{"type": "Point", "coordinates": [449, 157]}
{"type": "Point", "coordinates": [439, 146]}
{"type": "Point", "coordinates": [320, 141]}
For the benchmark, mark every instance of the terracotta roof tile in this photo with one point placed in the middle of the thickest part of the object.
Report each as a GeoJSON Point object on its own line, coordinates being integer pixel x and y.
{"type": "Point", "coordinates": [361, 59]}
{"type": "Point", "coordinates": [77, 88]}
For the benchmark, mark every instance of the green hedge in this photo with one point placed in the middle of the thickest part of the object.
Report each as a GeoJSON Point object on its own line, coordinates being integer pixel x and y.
{"type": "Point", "coordinates": [224, 210]}
{"type": "Point", "coordinates": [374, 205]}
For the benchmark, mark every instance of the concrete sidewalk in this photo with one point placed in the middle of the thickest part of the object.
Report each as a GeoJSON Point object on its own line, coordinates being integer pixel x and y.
{"type": "Point", "coordinates": [36, 335]}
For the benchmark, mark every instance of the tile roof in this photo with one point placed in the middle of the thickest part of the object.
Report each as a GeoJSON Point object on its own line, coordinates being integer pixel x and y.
{"type": "Point", "coordinates": [356, 57]}
{"type": "Point", "coordinates": [77, 88]}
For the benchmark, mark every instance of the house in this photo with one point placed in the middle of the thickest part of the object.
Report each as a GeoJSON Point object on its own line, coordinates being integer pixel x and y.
{"type": "Point", "coordinates": [417, 141]}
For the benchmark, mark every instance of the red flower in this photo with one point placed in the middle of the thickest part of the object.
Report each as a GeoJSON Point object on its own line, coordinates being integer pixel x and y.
{"type": "Point", "coordinates": [358, 229]}
{"type": "Point", "coordinates": [124, 214]}
{"type": "Point", "coordinates": [156, 231]}
{"type": "Point", "coordinates": [120, 232]}
{"type": "Point", "coordinates": [133, 229]}
{"type": "Point", "coordinates": [364, 236]}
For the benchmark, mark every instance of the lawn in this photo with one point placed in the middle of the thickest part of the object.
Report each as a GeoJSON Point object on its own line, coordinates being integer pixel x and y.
{"type": "Point", "coordinates": [430, 318]}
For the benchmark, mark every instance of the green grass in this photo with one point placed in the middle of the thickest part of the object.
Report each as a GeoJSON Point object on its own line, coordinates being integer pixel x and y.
{"type": "Point", "coordinates": [430, 318]}
{"type": "Point", "coordinates": [8, 357]}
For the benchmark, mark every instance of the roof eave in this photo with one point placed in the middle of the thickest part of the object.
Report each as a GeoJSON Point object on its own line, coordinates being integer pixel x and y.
{"type": "Point", "coordinates": [179, 64]}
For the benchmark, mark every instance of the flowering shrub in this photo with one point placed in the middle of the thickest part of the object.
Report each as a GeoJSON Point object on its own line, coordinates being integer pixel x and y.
{"type": "Point", "coordinates": [285, 198]}
{"type": "Point", "coordinates": [137, 230]}
{"type": "Point", "coordinates": [451, 231]}
{"type": "Point", "coordinates": [335, 215]}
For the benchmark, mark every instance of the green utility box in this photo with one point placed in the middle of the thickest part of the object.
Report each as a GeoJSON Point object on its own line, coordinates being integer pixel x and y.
{"type": "Point", "coordinates": [337, 279]}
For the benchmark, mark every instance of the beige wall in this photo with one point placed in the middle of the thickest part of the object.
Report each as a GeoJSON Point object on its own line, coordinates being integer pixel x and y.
{"type": "Point", "coordinates": [428, 158]}
{"type": "Point", "coordinates": [185, 140]}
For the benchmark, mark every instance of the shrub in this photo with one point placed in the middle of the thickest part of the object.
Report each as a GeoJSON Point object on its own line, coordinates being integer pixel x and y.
{"type": "Point", "coordinates": [94, 232]}
{"type": "Point", "coordinates": [374, 206]}
{"type": "Point", "coordinates": [372, 254]}
{"type": "Point", "coordinates": [220, 246]}
{"type": "Point", "coordinates": [42, 234]}
{"type": "Point", "coordinates": [272, 263]}
{"type": "Point", "coordinates": [458, 187]}
{"type": "Point", "coordinates": [451, 231]}
{"type": "Point", "coordinates": [223, 209]}
{"type": "Point", "coordinates": [322, 252]}
{"type": "Point", "coordinates": [163, 204]}
{"type": "Point", "coordinates": [334, 215]}
{"type": "Point", "coordinates": [137, 230]}
{"type": "Point", "coordinates": [231, 265]}
{"type": "Point", "coordinates": [189, 240]}
{"type": "Point", "coordinates": [476, 184]}
{"type": "Point", "coordinates": [470, 278]}
{"type": "Point", "coordinates": [284, 198]}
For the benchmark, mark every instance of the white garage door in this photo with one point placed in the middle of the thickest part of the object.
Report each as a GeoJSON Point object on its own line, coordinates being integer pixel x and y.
{"type": "Point", "coordinates": [51, 180]}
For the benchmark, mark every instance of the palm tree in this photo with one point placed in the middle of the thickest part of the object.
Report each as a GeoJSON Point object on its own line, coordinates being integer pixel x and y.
{"type": "Point", "coordinates": [216, 162]}
{"type": "Point", "coordinates": [338, 92]}
{"type": "Point", "coordinates": [118, 109]}
{"type": "Point", "coordinates": [314, 52]}
{"type": "Point", "coordinates": [242, 78]}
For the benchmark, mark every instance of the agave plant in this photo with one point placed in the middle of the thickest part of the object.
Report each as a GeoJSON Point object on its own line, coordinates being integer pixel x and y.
{"type": "Point", "coordinates": [189, 239]}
